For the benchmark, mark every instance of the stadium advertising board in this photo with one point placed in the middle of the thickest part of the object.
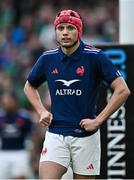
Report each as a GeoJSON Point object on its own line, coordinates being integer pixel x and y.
{"type": "Point", "coordinates": [117, 133]}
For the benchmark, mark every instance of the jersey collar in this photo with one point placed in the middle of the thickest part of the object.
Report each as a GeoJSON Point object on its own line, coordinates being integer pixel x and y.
{"type": "Point", "coordinates": [75, 55]}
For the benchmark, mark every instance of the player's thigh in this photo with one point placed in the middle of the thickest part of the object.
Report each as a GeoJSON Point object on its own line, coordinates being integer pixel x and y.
{"type": "Point", "coordinates": [86, 155]}
{"type": "Point", "coordinates": [55, 156]}
{"type": "Point", "coordinates": [51, 170]}
{"type": "Point", "coordinates": [55, 150]}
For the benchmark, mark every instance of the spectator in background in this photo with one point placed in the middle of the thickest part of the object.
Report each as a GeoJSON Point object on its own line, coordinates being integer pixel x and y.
{"type": "Point", "coordinates": [47, 29]}
{"type": "Point", "coordinates": [15, 128]}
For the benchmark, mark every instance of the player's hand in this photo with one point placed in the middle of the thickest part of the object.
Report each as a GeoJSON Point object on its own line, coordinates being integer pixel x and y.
{"type": "Point", "coordinates": [45, 118]}
{"type": "Point", "coordinates": [89, 124]}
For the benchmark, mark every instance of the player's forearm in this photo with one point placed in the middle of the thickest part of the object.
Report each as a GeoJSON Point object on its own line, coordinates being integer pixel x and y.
{"type": "Point", "coordinates": [34, 98]}
{"type": "Point", "coordinates": [118, 98]}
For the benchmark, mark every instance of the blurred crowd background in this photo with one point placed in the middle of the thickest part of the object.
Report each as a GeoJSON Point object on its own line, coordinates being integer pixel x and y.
{"type": "Point", "coordinates": [26, 30]}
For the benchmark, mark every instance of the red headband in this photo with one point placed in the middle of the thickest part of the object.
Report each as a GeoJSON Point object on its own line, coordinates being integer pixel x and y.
{"type": "Point", "coordinates": [69, 16]}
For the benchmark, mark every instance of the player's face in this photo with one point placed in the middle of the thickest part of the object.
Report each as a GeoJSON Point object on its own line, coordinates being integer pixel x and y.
{"type": "Point", "coordinates": [66, 34]}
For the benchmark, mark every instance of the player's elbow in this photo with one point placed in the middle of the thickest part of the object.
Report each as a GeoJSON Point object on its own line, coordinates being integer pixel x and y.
{"type": "Point", "coordinates": [120, 88]}
{"type": "Point", "coordinates": [127, 92]}
{"type": "Point", "coordinates": [124, 92]}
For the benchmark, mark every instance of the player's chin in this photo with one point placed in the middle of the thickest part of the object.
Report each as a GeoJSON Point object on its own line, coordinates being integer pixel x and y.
{"type": "Point", "coordinates": [66, 45]}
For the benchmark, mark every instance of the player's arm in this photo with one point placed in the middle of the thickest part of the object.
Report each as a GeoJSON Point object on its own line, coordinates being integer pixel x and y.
{"type": "Point", "coordinates": [119, 96]}
{"type": "Point", "coordinates": [34, 98]}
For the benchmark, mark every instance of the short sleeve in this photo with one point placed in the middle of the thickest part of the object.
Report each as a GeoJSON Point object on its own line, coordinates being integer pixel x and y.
{"type": "Point", "coordinates": [107, 70]}
{"type": "Point", "coordinates": [37, 74]}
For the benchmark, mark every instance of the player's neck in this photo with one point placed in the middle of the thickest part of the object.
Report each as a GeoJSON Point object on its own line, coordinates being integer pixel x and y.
{"type": "Point", "coordinates": [70, 50]}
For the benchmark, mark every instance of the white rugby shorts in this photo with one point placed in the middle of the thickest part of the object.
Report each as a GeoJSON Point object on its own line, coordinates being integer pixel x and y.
{"type": "Point", "coordinates": [82, 153]}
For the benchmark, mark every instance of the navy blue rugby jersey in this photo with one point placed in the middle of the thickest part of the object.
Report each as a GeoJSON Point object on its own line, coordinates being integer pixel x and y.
{"type": "Point", "coordinates": [73, 82]}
